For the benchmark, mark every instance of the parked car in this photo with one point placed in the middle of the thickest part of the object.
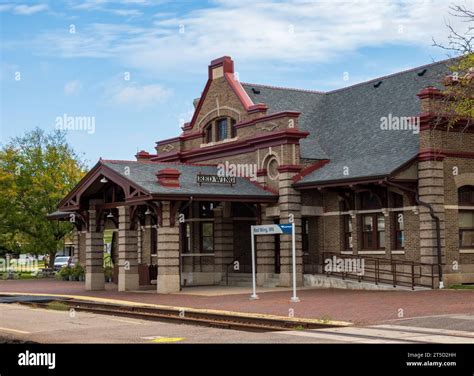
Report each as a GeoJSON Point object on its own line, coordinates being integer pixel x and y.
{"type": "Point", "coordinates": [62, 262]}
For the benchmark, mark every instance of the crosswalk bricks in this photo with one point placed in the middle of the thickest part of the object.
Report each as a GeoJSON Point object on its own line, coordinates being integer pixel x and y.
{"type": "Point", "coordinates": [384, 334]}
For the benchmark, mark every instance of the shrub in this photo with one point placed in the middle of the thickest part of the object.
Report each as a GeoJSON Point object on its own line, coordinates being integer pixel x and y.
{"type": "Point", "coordinates": [77, 272]}
{"type": "Point", "coordinates": [64, 273]}
{"type": "Point", "coordinates": [108, 273]}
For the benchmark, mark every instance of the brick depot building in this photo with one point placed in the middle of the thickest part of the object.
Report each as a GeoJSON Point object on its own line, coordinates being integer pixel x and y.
{"type": "Point", "coordinates": [358, 188]}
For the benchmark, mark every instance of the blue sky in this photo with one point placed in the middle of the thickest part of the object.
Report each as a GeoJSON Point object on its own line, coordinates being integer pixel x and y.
{"type": "Point", "coordinates": [73, 57]}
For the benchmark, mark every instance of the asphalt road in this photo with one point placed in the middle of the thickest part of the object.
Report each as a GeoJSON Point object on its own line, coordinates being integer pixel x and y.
{"type": "Point", "coordinates": [20, 323]}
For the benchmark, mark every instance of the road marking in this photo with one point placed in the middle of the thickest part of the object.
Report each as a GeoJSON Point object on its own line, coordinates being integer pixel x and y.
{"type": "Point", "coordinates": [463, 317]}
{"type": "Point", "coordinates": [159, 339]}
{"type": "Point", "coordinates": [167, 340]}
{"type": "Point", "coordinates": [127, 321]}
{"type": "Point", "coordinates": [386, 334]}
{"type": "Point", "coordinates": [338, 337]}
{"type": "Point", "coordinates": [14, 330]}
{"type": "Point", "coordinates": [423, 330]}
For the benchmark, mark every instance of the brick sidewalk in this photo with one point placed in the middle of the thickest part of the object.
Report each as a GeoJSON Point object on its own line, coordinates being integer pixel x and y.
{"type": "Point", "coordinates": [359, 307]}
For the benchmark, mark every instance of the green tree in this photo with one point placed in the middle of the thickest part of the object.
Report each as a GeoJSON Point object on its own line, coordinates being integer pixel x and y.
{"type": "Point", "coordinates": [458, 102]}
{"type": "Point", "coordinates": [36, 171]}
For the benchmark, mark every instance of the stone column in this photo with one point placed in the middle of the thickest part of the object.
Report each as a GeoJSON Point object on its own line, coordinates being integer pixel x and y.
{"type": "Point", "coordinates": [168, 280]}
{"type": "Point", "coordinates": [146, 241]}
{"type": "Point", "coordinates": [431, 191]}
{"type": "Point", "coordinates": [76, 241]}
{"type": "Point", "coordinates": [290, 203]}
{"type": "Point", "coordinates": [223, 241]}
{"type": "Point", "coordinates": [95, 279]}
{"type": "Point", "coordinates": [140, 232]}
{"type": "Point", "coordinates": [265, 252]}
{"type": "Point", "coordinates": [82, 248]}
{"type": "Point", "coordinates": [127, 252]}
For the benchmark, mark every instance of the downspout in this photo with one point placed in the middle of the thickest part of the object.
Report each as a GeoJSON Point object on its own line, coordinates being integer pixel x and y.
{"type": "Point", "coordinates": [433, 216]}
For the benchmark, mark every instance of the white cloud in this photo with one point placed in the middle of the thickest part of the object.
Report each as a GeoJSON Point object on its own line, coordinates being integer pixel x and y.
{"type": "Point", "coordinates": [72, 87]}
{"type": "Point", "coordinates": [26, 10]}
{"type": "Point", "coordinates": [125, 12]}
{"type": "Point", "coordinates": [292, 32]}
{"type": "Point", "coordinates": [103, 4]}
{"type": "Point", "coordinates": [136, 95]}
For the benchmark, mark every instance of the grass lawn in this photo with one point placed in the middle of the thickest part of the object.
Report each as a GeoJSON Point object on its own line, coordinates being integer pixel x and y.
{"type": "Point", "coordinates": [462, 287]}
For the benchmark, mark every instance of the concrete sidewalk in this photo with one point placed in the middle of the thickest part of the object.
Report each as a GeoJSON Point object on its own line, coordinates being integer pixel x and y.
{"type": "Point", "coordinates": [356, 306]}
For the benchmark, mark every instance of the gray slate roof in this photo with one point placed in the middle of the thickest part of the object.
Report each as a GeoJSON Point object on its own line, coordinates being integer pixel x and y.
{"type": "Point", "coordinates": [143, 174]}
{"type": "Point", "coordinates": [344, 124]}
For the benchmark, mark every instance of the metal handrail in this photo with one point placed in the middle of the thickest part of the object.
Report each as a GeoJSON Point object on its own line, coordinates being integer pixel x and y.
{"type": "Point", "coordinates": [390, 274]}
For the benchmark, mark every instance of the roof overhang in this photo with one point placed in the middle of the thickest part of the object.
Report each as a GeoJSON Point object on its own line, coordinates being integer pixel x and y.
{"type": "Point", "coordinates": [209, 197]}
{"type": "Point", "coordinates": [133, 192]}
{"type": "Point", "coordinates": [341, 182]}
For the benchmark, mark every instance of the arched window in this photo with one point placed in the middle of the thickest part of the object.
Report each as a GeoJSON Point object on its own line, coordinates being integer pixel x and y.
{"type": "Point", "coordinates": [272, 168]}
{"type": "Point", "coordinates": [222, 130]}
{"type": "Point", "coordinates": [208, 133]}
{"type": "Point", "coordinates": [466, 195]}
{"type": "Point", "coordinates": [219, 129]}
{"type": "Point", "coordinates": [233, 129]}
{"type": "Point", "coordinates": [466, 216]}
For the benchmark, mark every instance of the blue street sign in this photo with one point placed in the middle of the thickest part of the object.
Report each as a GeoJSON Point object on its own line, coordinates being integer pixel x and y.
{"type": "Point", "coordinates": [284, 228]}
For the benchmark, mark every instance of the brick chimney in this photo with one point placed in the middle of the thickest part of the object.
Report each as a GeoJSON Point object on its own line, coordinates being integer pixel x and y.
{"type": "Point", "coordinates": [219, 67]}
{"type": "Point", "coordinates": [430, 98]}
{"type": "Point", "coordinates": [168, 177]}
{"type": "Point", "coordinates": [142, 155]}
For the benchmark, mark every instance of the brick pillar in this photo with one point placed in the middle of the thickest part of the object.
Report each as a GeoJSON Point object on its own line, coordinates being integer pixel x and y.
{"type": "Point", "coordinates": [168, 253]}
{"type": "Point", "coordinates": [82, 247]}
{"type": "Point", "coordinates": [431, 191]}
{"type": "Point", "coordinates": [146, 241]}
{"type": "Point", "coordinates": [76, 242]}
{"type": "Point", "coordinates": [140, 232]}
{"type": "Point", "coordinates": [265, 252]}
{"type": "Point", "coordinates": [95, 279]}
{"type": "Point", "coordinates": [224, 241]}
{"type": "Point", "coordinates": [127, 252]}
{"type": "Point", "coordinates": [290, 203]}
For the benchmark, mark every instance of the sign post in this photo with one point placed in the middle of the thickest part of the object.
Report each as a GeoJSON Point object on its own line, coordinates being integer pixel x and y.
{"type": "Point", "coordinates": [294, 298]}
{"type": "Point", "coordinates": [277, 229]}
{"type": "Point", "coordinates": [254, 284]}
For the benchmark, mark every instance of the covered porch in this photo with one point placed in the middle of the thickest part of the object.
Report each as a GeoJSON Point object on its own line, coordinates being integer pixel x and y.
{"type": "Point", "coordinates": [161, 226]}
